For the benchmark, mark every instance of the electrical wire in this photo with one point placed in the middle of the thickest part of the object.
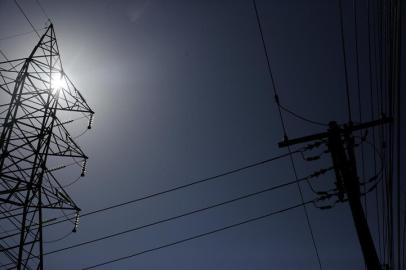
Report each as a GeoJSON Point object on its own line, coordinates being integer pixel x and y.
{"type": "Point", "coordinates": [22, 34]}
{"type": "Point", "coordinates": [62, 219]}
{"type": "Point", "coordinates": [73, 182]}
{"type": "Point", "coordinates": [397, 50]}
{"type": "Point", "coordinates": [347, 87]}
{"type": "Point", "coordinates": [58, 239]}
{"type": "Point", "coordinates": [81, 134]}
{"type": "Point", "coordinates": [404, 238]}
{"type": "Point", "coordinates": [43, 10]}
{"type": "Point", "coordinates": [302, 118]}
{"type": "Point", "coordinates": [388, 64]}
{"type": "Point", "coordinates": [270, 73]}
{"type": "Point", "coordinates": [22, 11]}
{"type": "Point", "coordinates": [239, 198]}
{"type": "Point", "coordinates": [198, 236]}
{"type": "Point", "coordinates": [188, 184]}
{"type": "Point", "coordinates": [373, 73]}
{"type": "Point", "coordinates": [359, 99]}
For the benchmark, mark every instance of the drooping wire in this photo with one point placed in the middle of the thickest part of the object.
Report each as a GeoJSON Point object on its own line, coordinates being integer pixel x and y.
{"type": "Point", "coordinates": [302, 117]}
{"type": "Point", "coordinates": [73, 182]}
{"type": "Point", "coordinates": [187, 185]}
{"type": "Point", "coordinates": [61, 219]}
{"type": "Point", "coordinates": [22, 11]}
{"type": "Point", "coordinates": [243, 197]}
{"type": "Point", "coordinates": [347, 87]}
{"type": "Point", "coordinates": [373, 83]}
{"type": "Point", "coordinates": [385, 96]}
{"type": "Point", "coordinates": [58, 239]}
{"type": "Point", "coordinates": [43, 10]}
{"type": "Point", "coordinates": [397, 86]}
{"type": "Point", "coordinates": [355, 9]}
{"type": "Point", "coordinates": [403, 237]}
{"type": "Point", "coordinates": [247, 221]}
{"type": "Point", "coordinates": [21, 34]}
{"type": "Point", "coordinates": [270, 73]}
{"type": "Point", "coordinates": [81, 134]}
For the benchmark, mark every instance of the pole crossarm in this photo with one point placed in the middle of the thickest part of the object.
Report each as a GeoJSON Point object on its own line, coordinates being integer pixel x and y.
{"type": "Point", "coordinates": [323, 135]}
{"type": "Point", "coordinates": [341, 144]}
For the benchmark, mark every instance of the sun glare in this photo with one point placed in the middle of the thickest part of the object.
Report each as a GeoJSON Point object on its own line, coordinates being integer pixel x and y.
{"type": "Point", "coordinates": [57, 82]}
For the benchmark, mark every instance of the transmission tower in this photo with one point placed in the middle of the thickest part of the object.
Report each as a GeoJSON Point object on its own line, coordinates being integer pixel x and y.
{"type": "Point", "coordinates": [41, 105]}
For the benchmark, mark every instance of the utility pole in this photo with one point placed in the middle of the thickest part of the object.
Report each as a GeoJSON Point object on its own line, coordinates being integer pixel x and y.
{"type": "Point", "coordinates": [340, 143]}
{"type": "Point", "coordinates": [35, 144]}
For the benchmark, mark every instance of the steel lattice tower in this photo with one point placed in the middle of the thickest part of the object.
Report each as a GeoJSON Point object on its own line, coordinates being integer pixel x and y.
{"type": "Point", "coordinates": [35, 145]}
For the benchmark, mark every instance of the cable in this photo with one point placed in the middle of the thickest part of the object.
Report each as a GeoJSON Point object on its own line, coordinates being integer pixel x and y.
{"type": "Point", "coordinates": [197, 236]}
{"type": "Point", "coordinates": [403, 237]}
{"type": "Point", "coordinates": [73, 182]}
{"type": "Point", "coordinates": [347, 88]}
{"type": "Point", "coordinates": [359, 99]}
{"type": "Point", "coordinates": [60, 220]}
{"type": "Point", "coordinates": [303, 118]}
{"type": "Point", "coordinates": [374, 84]}
{"type": "Point", "coordinates": [81, 134]}
{"type": "Point", "coordinates": [181, 215]}
{"type": "Point", "coordinates": [59, 239]}
{"type": "Point", "coordinates": [397, 50]}
{"type": "Point", "coordinates": [22, 11]}
{"type": "Point", "coordinates": [22, 34]}
{"type": "Point", "coordinates": [187, 185]}
{"type": "Point", "coordinates": [43, 10]}
{"type": "Point", "coordinates": [285, 133]}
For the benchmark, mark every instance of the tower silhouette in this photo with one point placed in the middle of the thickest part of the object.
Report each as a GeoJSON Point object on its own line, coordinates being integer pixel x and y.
{"type": "Point", "coordinates": [35, 144]}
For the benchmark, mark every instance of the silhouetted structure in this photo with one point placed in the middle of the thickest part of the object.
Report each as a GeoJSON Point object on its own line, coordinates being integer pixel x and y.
{"type": "Point", "coordinates": [35, 143]}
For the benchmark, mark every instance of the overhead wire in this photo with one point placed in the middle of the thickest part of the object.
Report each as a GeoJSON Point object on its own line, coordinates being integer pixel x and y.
{"type": "Point", "coordinates": [347, 87]}
{"type": "Point", "coordinates": [373, 62]}
{"type": "Point", "coordinates": [42, 9]}
{"type": "Point", "coordinates": [216, 205]}
{"type": "Point", "coordinates": [386, 93]}
{"type": "Point", "coordinates": [189, 184]}
{"type": "Point", "coordinates": [69, 233]}
{"type": "Point", "coordinates": [234, 225]}
{"type": "Point", "coordinates": [355, 10]}
{"type": "Point", "coordinates": [73, 182]}
{"type": "Point", "coordinates": [398, 145]}
{"type": "Point", "coordinates": [22, 34]}
{"type": "Point", "coordinates": [25, 15]}
{"type": "Point", "coordinates": [391, 81]}
{"type": "Point", "coordinates": [302, 117]}
{"type": "Point", "coordinates": [270, 73]}
{"type": "Point", "coordinates": [62, 219]}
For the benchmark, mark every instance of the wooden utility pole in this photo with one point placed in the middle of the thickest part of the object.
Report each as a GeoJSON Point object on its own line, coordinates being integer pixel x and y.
{"type": "Point", "coordinates": [340, 142]}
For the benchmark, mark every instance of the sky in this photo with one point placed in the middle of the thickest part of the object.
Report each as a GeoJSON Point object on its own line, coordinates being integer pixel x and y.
{"type": "Point", "coordinates": [181, 92]}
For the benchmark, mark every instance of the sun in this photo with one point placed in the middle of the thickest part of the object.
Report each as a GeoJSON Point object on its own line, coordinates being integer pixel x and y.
{"type": "Point", "coordinates": [57, 82]}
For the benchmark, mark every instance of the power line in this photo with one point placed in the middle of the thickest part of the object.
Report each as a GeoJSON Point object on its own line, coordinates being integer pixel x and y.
{"type": "Point", "coordinates": [285, 134]}
{"type": "Point", "coordinates": [189, 184]}
{"type": "Point", "coordinates": [22, 11]}
{"type": "Point", "coordinates": [22, 34]}
{"type": "Point", "coordinates": [355, 9]}
{"type": "Point", "coordinates": [59, 238]}
{"type": "Point", "coordinates": [180, 187]}
{"type": "Point", "coordinates": [302, 117]}
{"type": "Point", "coordinates": [197, 236]}
{"type": "Point", "coordinates": [347, 88]}
{"type": "Point", "coordinates": [42, 9]}
{"type": "Point", "coordinates": [186, 214]}
{"type": "Point", "coordinates": [372, 61]}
